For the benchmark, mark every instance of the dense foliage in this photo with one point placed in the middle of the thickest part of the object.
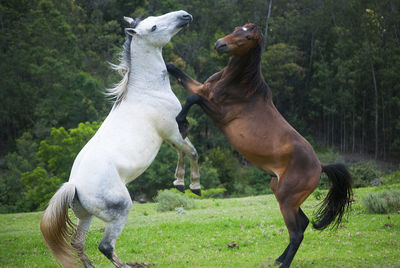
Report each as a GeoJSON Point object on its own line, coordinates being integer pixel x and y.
{"type": "Point", "coordinates": [171, 200]}
{"type": "Point", "coordinates": [333, 67]}
{"type": "Point", "coordinates": [382, 202]}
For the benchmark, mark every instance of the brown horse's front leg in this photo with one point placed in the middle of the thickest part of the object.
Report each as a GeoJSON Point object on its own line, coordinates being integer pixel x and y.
{"type": "Point", "coordinates": [183, 124]}
{"type": "Point", "coordinates": [191, 85]}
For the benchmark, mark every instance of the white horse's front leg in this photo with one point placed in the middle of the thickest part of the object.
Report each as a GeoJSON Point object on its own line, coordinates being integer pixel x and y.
{"type": "Point", "coordinates": [179, 183]}
{"type": "Point", "coordinates": [194, 169]}
{"type": "Point", "coordinates": [186, 148]}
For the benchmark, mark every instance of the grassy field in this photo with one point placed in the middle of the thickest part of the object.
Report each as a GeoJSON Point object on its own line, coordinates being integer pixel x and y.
{"type": "Point", "coordinates": [199, 237]}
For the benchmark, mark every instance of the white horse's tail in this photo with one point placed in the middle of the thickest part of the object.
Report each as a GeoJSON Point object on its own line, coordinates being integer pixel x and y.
{"type": "Point", "coordinates": [57, 227]}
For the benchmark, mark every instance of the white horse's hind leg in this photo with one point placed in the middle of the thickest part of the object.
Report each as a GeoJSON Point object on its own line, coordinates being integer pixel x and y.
{"type": "Point", "coordinates": [111, 234]}
{"type": "Point", "coordinates": [78, 240]}
{"type": "Point", "coordinates": [186, 147]}
{"type": "Point", "coordinates": [179, 183]}
{"type": "Point", "coordinates": [117, 203]}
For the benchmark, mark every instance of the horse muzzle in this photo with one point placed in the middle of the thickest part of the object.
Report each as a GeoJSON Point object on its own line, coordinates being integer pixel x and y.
{"type": "Point", "coordinates": [184, 20]}
{"type": "Point", "coordinates": [221, 46]}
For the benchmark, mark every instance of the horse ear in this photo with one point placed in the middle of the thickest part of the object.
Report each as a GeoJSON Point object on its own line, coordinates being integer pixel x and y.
{"type": "Point", "coordinates": [129, 20]}
{"type": "Point", "coordinates": [130, 31]}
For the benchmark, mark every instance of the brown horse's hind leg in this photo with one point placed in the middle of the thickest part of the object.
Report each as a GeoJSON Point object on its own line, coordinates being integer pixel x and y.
{"type": "Point", "coordinates": [296, 237]}
{"type": "Point", "coordinates": [290, 196]}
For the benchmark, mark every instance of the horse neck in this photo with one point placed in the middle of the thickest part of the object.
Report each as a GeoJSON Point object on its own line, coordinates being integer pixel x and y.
{"type": "Point", "coordinates": [242, 78]}
{"type": "Point", "coordinates": [245, 67]}
{"type": "Point", "coordinates": [147, 72]}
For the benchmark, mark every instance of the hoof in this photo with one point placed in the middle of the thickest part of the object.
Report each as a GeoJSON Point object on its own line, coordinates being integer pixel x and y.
{"type": "Point", "coordinates": [180, 188]}
{"type": "Point", "coordinates": [196, 191]}
{"type": "Point", "coordinates": [277, 262]}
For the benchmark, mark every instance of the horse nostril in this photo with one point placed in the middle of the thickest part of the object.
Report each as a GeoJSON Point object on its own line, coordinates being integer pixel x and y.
{"type": "Point", "coordinates": [219, 45]}
{"type": "Point", "coordinates": [187, 17]}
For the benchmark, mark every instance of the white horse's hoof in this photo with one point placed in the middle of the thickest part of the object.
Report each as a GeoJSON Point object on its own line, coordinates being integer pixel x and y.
{"type": "Point", "coordinates": [196, 191]}
{"type": "Point", "coordinates": [180, 188]}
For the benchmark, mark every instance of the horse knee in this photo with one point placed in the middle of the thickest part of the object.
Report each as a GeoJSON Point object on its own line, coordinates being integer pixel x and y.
{"type": "Point", "coordinates": [119, 206]}
{"type": "Point", "coordinates": [193, 155]}
{"type": "Point", "coordinates": [305, 223]}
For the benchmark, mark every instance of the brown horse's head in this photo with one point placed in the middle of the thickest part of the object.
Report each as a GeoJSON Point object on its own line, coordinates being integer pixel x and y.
{"type": "Point", "coordinates": [241, 41]}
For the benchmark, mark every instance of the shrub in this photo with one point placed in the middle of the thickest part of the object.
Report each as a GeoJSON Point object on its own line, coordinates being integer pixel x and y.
{"type": "Point", "coordinates": [209, 193]}
{"type": "Point", "coordinates": [382, 202]}
{"type": "Point", "coordinates": [189, 194]}
{"type": "Point", "coordinates": [365, 174]}
{"type": "Point", "coordinates": [213, 193]}
{"type": "Point", "coordinates": [209, 177]}
{"type": "Point", "coordinates": [328, 155]}
{"type": "Point", "coordinates": [392, 178]}
{"type": "Point", "coordinates": [252, 181]}
{"type": "Point", "coordinates": [226, 166]}
{"type": "Point", "coordinates": [168, 200]}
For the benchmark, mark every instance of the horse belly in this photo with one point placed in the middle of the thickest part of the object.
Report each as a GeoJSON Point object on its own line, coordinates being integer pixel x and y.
{"type": "Point", "coordinates": [129, 147]}
{"type": "Point", "coordinates": [268, 150]}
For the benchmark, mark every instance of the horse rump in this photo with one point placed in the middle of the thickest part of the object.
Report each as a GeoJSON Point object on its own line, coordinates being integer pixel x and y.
{"type": "Point", "coordinates": [338, 200]}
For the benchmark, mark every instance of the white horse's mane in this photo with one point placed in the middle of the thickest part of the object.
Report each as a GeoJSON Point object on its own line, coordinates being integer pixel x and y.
{"type": "Point", "coordinates": [120, 89]}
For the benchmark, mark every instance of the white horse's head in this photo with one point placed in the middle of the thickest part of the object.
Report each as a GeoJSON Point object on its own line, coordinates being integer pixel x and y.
{"type": "Point", "coordinates": [158, 31]}
{"type": "Point", "coordinates": [153, 32]}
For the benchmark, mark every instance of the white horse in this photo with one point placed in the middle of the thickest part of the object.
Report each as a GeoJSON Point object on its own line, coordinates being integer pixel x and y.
{"type": "Point", "coordinates": [127, 142]}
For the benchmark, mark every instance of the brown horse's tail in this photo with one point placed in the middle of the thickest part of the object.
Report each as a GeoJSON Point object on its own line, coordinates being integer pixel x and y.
{"type": "Point", "coordinates": [339, 197]}
{"type": "Point", "coordinates": [57, 227]}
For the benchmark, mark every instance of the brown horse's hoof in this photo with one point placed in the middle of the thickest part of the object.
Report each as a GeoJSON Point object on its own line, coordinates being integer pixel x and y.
{"type": "Point", "coordinates": [196, 191]}
{"type": "Point", "coordinates": [180, 188]}
{"type": "Point", "coordinates": [137, 264]}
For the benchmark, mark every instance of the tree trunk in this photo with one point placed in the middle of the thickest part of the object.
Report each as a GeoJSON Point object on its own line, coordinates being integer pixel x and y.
{"type": "Point", "coordinates": [344, 133]}
{"type": "Point", "coordinates": [376, 110]}
{"type": "Point", "coordinates": [266, 25]}
{"type": "Point", "coordinates": [332, 130]}
{"type": "Point", "coordinates": [311, 60]}
{"type": "Point", "coordinates": [395, 26]}
{"type": "Point", "coordinates": [362, 147]}
{"type": "Point", "coordinates": [383, 129]}
{"type": "Point", "coordinates": [353, 148]}
{"type": "Point", "coordinates": [341, 137]}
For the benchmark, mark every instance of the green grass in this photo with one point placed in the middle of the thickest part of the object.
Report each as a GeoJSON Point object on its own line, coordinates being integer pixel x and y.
{"type": "Point", "coordinates": [199, 238]}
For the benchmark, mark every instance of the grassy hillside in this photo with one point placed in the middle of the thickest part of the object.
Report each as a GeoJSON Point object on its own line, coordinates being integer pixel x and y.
{"type": "Point", "coordinates": [199, 237]}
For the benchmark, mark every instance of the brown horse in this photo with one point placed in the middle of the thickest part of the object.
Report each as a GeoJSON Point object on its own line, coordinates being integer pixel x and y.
{"type": "Point", "coordinates": [239, 102]}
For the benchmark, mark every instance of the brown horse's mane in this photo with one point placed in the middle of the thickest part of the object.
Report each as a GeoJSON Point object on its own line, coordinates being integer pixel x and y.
{"type": "Point", "coordinates": [242, 78]}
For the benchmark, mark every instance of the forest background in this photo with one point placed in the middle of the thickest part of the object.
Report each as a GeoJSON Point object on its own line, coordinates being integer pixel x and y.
{"type": "Point", "coordinates": [333, 67]}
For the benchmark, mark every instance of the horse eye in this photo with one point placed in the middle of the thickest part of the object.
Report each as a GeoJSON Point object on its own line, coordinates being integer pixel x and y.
{"type": "Point", "coordinates": [248, 37]}
{"type": "Point", "coordinates": [153, 28]}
